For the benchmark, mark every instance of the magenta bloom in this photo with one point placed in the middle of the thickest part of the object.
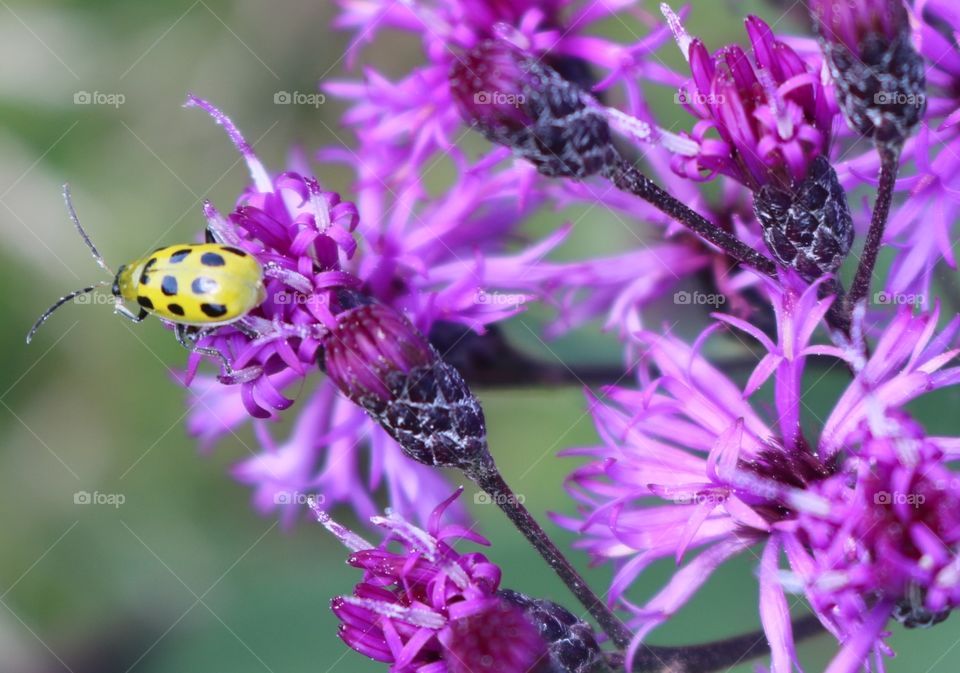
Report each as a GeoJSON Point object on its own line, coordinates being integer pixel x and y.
{"type": "Point", "coordinates": [763, 118]}
{"type": "Point", "coordinates": [423, 606]}
{"type": "Point", "coordinates": [302, 234]}
{"type": "Point", "coordinates": [689, 464]}
{"type": "Point", "coordinates": [333, 449]}
{"type": "Point", "coordinates": [401, 124]}
{"type": "Point", "coordinates": [406, 126]}
{"type": "Point", "coordinates": [888, 544]}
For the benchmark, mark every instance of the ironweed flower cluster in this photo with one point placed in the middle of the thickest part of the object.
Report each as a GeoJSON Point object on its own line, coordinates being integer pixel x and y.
{"type": "Point", "coordinates": [382, 315]}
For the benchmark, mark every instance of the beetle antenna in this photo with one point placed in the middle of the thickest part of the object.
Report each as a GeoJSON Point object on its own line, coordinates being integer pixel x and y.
{"type": "Point", "coordinates": [83, 234]}
{"type": "Point", "coordinates": [60, 302]}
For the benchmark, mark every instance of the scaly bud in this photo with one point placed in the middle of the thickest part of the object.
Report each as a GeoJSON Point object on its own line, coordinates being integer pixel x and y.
{"type": "Point", "coordinates": [520, 102]}
{"type": "Point", "coordinates": [807, 227]}
{"type": "Point", "coordinates": [571, 643]}
{"type": "Point", "coordinates": [878, 74]}
{"type": "Point", "coordinates": [384, 364]}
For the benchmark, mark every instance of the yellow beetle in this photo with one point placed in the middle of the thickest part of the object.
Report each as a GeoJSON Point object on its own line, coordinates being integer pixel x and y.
{"type": "Point", "coordinates": [194, 286]}
{"type": "Point", "coordinates": [199, 284]}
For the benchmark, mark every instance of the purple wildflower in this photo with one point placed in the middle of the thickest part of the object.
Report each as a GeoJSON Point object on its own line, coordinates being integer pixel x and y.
{"type": "Point", "coordinates": [302, 234]}
{"type": "Point", "coordinates": [762, 119]}
{"type": "Point", "coordinates": [291, 225]}
{"type": "Point", "coordinates": [688, 464]}
{"type": "Point", "coordinates": [888, 544]}
{"type": "Point", "coordinates": [405, 127]}
{"type": "Point", "coordinates": [401, 124]}
{"type": "Point", "coordinates": [424, 606]}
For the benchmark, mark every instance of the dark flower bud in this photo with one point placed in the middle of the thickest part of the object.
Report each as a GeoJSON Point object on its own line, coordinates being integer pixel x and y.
{"type": "Point", "coordinates": [879, 76]}
{"type": "Point", "coordinates": [571, 643]}
{"type": "Point", "coordinates": [520, 102]}
{"type": "Point", "coordinates": [807, 227]}
{"type": "Point", "coordinates": [384, 364]}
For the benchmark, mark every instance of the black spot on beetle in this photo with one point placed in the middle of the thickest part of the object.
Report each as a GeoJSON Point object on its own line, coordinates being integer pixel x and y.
{"type": "Point", "coordinates": [145, 302]}
{"type": "Point", "coordinates": [169, 286]}
{"type": "Point", "coordinates": [179, 256]}
{"type": "Point", "coordinates": [203, 285]}
{"type": "Point", "coordinates": [212, 259]}
{"type": "Point", "coordinates": [175, 309]}
{"type": "Point", "coordinates": [213, 310]}
{"type": "Point", "coordinates": [145, 274]}
{"type": "Point", "coordinates": [236, 251]}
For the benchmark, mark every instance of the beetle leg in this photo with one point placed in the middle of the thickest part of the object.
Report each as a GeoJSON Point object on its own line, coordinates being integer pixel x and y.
{"type": "Point", "coordinates": [187, 337]}
{"type": "Point", "coordinates": [120, 309]}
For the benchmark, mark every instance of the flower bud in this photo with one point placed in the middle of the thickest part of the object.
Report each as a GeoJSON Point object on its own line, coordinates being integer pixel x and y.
{"type": "Point", "coordinates": [807, 227]}
{"type": "Point", "coordinates": [879, 76]}
{"type": "Point", "coordinates": [384, 364]}
{"type": "Point", "coordinates": [520, 102]}
{"type": "Point", "coordinates": [571, 643]}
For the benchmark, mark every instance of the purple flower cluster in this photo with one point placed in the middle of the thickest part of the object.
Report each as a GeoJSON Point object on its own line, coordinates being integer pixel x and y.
{"type": "Point", "coordinates": [428, 607]}
{"type": "Point", "coordinates": [690, 464]}
{"type": "Point", "coordinates": [856, 513]}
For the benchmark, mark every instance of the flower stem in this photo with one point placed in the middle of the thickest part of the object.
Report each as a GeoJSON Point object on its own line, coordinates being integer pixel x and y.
{"type": "Point", "coordinates": [490, 480]}
{"type": "Point", "coordinates": [713, 656]}
{"type": "Point", "coordinates": [626, 177]}
{"type": "Point", "coordinates": [889, 164]}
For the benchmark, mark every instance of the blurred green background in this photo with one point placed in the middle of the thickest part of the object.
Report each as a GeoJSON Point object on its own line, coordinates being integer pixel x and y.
{"type": "Point", "coordinates": [185, 576]}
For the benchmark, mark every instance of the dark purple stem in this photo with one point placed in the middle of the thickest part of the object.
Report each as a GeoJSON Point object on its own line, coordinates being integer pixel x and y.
{"type": "Point", "coordinates": [626, 177]}
{"type": "Point", "coordinates": [889, 164]}
{"type": "Point", "coordinates": [489, 479]}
